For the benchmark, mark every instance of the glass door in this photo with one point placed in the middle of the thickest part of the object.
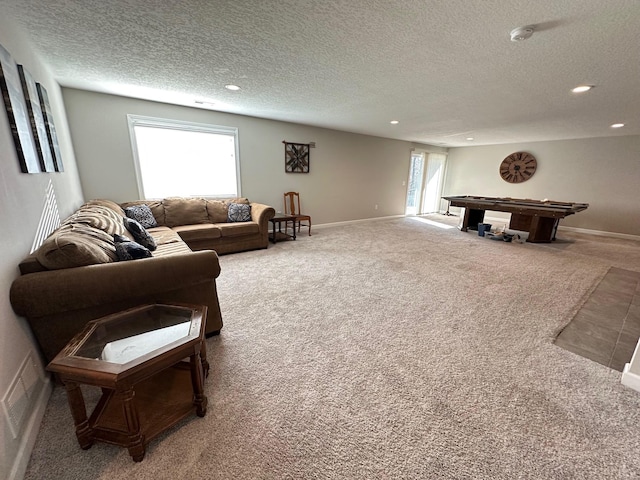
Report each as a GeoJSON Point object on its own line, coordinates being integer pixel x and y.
{"type": "Point", "coordinates": [414, 188]}
{"type": "Point", "coordinates": [434, 180]}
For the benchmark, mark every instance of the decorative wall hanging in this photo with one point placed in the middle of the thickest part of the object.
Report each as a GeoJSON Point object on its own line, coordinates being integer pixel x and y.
{"type": "Point", "coordinates": [14, 103]}
{"type": "Point", "coordinates": [52, 136]}
{"type": "Point", "coordinates": [36, 119]}
{"type": "Point", "coordinates": [296, 157]}
{"type": "Point", "coordinates": [518, 167]}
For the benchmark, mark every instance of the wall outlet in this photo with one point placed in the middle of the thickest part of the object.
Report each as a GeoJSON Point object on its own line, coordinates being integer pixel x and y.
{"type": "Point", "coordinates": [375, 207]}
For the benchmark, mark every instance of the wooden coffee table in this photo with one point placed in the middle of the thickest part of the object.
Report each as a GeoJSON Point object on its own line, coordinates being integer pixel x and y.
{"type": "Point", "coordinates": [137, 358]}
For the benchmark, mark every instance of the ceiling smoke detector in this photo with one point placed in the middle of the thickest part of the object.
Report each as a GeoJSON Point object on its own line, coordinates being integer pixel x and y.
{"type": "Point", "coordinates": [521, 33]}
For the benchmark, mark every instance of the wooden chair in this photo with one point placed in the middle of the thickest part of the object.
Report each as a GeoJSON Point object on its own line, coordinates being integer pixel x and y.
{"type": "Point", "coordinates": [292, 207]}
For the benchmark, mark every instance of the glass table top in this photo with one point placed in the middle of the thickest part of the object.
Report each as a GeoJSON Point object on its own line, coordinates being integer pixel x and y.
{"type": "Point", "coordinates": [129, 336]}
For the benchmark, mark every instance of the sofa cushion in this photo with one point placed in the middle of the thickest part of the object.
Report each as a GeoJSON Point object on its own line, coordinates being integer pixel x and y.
{"type": "Point", "coordinates": [31, 265]}
{"type": "Point", "coordinates": [131, 251]}
{"type": "Point", "coordinates": [185, 211]}
{"type": "Point", "coordinates": [206, 231]}
{"type": "Point", "coordinates": [176, 248]}
{"type": "Point", "coordinates": [164, 235]}
{"type": "Point", "coordinates": [237, 200]}
{"type": "Point", "coordinates": [142, 214]}
{"type": "Point", "coordinates": [140, 235]}
{"type": "Point", "coordinates": [239, 212]}
{"type": "Point", "coordinates": [239, 228]}
{"type": "Point", "coordinates": [76, 245]}
{"type": "Point", "coordinates": [218, 211]}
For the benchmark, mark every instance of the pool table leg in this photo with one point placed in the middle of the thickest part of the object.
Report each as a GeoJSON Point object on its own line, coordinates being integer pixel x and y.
{"type": "Point", "coordinates": [472, 217]}
{"type": "Point", "coordinates": [542, 229]}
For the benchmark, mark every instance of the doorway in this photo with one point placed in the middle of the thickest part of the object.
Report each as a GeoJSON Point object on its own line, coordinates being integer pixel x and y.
{"type": "Point", "coordinates": [426, 177]}
{"type": "Point", "coordinates": [414, 186]}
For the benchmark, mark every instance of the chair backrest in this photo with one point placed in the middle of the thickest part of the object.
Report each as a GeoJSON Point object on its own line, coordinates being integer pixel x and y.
{"type": "Point", "coordinates": [292, 203]}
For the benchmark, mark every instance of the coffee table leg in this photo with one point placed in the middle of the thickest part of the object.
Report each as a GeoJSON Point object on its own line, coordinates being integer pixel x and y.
{"type": "Point", "coordinates": [197, 381]}
{"type": "Point", "coordinates": [79, 414]}
{"type": "Point", "coordinates": [203, 358]}
{"type": "Point", "coordinates": [136, 440]}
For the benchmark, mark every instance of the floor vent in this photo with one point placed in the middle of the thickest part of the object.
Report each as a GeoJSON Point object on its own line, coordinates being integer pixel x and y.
{"type": "Point", "coordinates": [20, 396]}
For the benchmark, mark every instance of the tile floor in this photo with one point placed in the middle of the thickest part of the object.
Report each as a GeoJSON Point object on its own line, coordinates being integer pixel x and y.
{"type": "Point", "coordinates": [607, 327]}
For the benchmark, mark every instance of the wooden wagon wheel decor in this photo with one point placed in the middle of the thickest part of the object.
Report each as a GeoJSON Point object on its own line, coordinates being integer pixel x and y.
{"type": "Point", "coordinates": [296, 157]}
{"type": "Point", "coordinates": [518, 167]}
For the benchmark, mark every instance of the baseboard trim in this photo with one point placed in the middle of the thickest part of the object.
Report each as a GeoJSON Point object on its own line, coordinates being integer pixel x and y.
{"type": "Point", "coordinates": [495, 220]}
{"type": "Point", "coordinates": [31, 431]}
{"type": "Point", "coordinates": [349, 222]}
{"type": "Point", "coordinates": [629, 379]}
{"type": "Point", "coordinates": [600, 233]}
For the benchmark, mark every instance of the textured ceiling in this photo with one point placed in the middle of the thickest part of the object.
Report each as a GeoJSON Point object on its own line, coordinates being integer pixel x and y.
{"type": "Point", "coordinates": [446, 69]}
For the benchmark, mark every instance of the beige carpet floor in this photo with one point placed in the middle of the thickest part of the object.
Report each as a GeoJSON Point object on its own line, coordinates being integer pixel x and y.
{"type": "Point", "coordinates": [394, 349]}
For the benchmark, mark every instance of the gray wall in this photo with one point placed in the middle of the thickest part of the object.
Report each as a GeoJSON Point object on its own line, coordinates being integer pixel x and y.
{"type": "Point", "coordinates": [603, 172]}
{"type": "Point", "coordinates": [349, 173]}
{"type": "Point", "coordinates": [21, 203]}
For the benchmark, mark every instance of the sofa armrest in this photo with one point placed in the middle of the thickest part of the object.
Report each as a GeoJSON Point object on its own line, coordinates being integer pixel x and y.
{"type": "Point", "coordinates": [51, 292]}
{"type": "Point", "coordinates": [261, 214]}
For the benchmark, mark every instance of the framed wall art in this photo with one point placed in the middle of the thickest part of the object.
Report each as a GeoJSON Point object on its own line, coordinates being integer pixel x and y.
{"type": "Point", "coordinates": [52, 136]}
{"type": "Point", "coordinates": [16, 108]}
{"type": "Point", "coordinates": [296, 157]}
{"type": "Point", "coordinates": [36, 119]}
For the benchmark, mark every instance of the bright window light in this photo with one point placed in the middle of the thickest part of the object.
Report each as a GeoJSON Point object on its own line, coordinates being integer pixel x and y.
{"type": "Point", "coordinates": [432, 223]}
{"type": "Point", "coordinates": [184, 159]}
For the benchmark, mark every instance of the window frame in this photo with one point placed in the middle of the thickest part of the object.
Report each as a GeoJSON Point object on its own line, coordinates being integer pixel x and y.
{"type": "Point", "coordinates": [183, 125]}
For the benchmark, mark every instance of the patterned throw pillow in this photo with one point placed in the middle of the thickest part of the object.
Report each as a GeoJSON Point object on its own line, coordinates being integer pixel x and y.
{"type": "Point", "coordinates": [142, 214]}
{"type": "Point", "coordinates": [139, 234]}
{"type": "Point", "coordinates": [239, 212]}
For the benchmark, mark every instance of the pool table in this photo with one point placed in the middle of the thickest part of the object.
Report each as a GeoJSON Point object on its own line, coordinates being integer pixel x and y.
{"type": "Point", "coordinates": [538, 217]}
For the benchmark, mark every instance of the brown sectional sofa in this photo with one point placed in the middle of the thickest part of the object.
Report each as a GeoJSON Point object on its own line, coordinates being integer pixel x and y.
{"type": "Point", "coordinates": [75, 276]}
{"type": "Point", "coordinates": [203, 224]}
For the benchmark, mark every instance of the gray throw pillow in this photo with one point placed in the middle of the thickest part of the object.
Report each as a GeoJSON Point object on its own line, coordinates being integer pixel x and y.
{"type": "Point", "coordinates": [140, 235]}
{"type": "Point", "coordinates": [131, 251]}
{"type": "Point", "coordinates": [239, 212]}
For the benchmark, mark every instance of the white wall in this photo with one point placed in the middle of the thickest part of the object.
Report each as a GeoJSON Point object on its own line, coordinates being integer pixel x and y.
{"type": "Point", "coordinates": [349, 173]}
{"type": "Point", "coordinates": [603, 172]}
{"type": "Point", "coordinates": [21, 204]}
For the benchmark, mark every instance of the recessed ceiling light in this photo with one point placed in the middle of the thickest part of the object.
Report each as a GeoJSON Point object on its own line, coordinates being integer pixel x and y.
{"type": "Point", "coordinates": [582, 88]}
{"type": "Point", "coordinates": [522, 33]}
{"type": "Point", "coordinates": [617, 125]}
{"type": "Point", "coordinates": [232, 87]}
{"type": "Point", "coordinates": [470, 139]}
{"type": "Point", "coordinates": [394, 122]}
